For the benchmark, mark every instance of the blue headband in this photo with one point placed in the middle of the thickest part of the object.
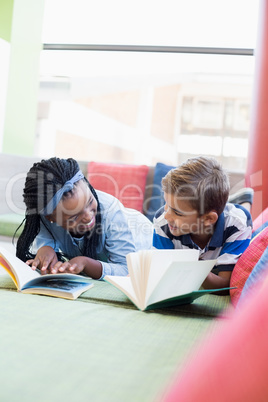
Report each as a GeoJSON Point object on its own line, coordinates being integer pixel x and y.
{"type": "Point", "coordinates": [68, 186]}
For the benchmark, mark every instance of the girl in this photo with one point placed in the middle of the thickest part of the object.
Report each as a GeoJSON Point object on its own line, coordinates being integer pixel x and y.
{"type": "Point", "coordinates": [70, 227]}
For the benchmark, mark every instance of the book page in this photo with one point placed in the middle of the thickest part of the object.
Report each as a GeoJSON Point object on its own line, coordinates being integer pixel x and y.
{"type": "Point", "coordinates": [60, 288]}
{"type": "Point", "coordinates": [24, 276]}
{"type": "Point", "coordinates": [180, 278]}
{"type": "Point", "coordinates": [57, 279]}
{"type": "Point", "coordinates": [139, 264]}
{"type": "Point", "coordinates": [145, 267]}
{"type": "Point", "coordinates": [133, 263]}
{"type": "Point", "coordinates": [7, 268]}
{"type": "Point", "coordinates": [161, 261]}
{"type": "Point", "coordinates": [125, 285]}
{"type": "Point", "coordinates": [21, 271]}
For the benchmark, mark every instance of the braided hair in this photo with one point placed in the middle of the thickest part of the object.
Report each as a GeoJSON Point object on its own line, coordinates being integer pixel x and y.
{"type": "Point", "coordinates": [43, 180]}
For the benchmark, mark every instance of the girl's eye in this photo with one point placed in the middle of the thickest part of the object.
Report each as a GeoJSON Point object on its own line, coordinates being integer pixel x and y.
{"type": "Point", "coordinates": [72, 220]}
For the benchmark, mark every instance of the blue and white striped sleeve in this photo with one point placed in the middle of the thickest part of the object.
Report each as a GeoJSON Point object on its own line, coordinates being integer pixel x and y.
{"type": "Point", "coordinates": [238, 232]}
{"type": "Point", "coordinates": [160, 239]}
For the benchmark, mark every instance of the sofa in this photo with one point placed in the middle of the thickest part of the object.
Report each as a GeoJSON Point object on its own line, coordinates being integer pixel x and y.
{"type": "Point", "coordinates": [101, 348]}
{"type": "Point", "coordinates": [136, 186]}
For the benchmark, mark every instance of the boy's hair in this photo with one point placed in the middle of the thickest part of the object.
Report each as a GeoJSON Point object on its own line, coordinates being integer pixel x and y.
{"type": "Point", "coordinates": [202, 182]}
{"type": "Point", "coordinates": [43, 180]}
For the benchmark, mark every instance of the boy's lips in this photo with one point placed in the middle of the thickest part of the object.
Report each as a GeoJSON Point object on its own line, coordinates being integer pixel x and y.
{"type": "Point", "coordinates": [172, 227]}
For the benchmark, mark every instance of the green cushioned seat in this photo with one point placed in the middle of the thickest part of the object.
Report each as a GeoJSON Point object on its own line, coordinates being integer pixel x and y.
{"type": "Point", "coordinates": [106, 294]}
{"type": "Point", "coordinates": [98, 348]}
{"type": "Point", "coordinates": [9, 224]}
{"type": "Point", "coordinates": [60, 350]}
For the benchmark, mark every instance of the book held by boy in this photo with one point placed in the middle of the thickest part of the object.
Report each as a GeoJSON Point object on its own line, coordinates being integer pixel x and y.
{"type": "Point", "coordinates": [67, 286]}
{"type": "Point", "coordinates": [163, 278]}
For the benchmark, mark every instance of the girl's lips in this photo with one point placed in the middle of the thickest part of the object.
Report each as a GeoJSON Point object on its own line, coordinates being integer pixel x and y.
{"type": "Point", "coordinates": [91, 223]}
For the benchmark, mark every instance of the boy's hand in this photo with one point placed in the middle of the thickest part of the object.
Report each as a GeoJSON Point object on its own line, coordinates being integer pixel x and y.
{"type": "Point", "coordinates": [45, 260]}
{"type": "Point", "coordinates": [74, 266]}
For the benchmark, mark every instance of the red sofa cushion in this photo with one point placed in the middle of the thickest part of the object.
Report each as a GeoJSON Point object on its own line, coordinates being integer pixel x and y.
{"type": "Point", "coordinates": [125, 182]}
{"type": "Point", "coordinates": [246, 263]}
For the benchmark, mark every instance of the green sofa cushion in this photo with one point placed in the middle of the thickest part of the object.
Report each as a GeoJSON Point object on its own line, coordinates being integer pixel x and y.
{"type": "Point", "coordinates": [9, 224]}
{"type": "Point", "coordinates": [59, 350]}
{"type": "Point", "coordinates": [105, 294]}
{"type": "Point", "coordinates": [98, 347]}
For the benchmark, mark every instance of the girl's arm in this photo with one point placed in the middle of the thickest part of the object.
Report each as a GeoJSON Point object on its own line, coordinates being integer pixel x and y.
{"type": "Point", "coordinates": [76, 265]}
{"type": "Point", "coordinates": [45, 259]}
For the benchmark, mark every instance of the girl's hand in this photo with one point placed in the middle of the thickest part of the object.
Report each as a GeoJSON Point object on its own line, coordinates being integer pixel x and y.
{"type": "Point", "coordinates": [45, 260]}
{"type": "Point", "coordinates": [74, 266]}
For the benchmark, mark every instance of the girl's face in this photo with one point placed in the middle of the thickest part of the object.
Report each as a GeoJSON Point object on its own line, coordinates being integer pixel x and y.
{"type": "Point", "coordinates": [76, 213]}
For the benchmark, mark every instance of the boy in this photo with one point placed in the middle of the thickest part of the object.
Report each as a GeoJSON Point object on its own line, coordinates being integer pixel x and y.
{"type": "Point", "coordinates": [196, 215]}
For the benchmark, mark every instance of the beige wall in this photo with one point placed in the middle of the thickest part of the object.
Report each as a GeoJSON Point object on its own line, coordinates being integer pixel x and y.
{"type": "Point", "coordinates": [71, 145]}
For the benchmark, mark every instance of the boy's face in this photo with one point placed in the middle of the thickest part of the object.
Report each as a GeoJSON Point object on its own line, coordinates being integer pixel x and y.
{"type": "Point", "coordinates": [181, 217]}
{"type": "Point", "coordinates": [77, 213]}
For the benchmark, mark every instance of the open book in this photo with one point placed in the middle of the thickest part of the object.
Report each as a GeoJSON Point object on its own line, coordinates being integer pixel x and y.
{"type": "Point", "coordinates": [67, 286]}
{"type": "Point", "coordinates": [163, 278]}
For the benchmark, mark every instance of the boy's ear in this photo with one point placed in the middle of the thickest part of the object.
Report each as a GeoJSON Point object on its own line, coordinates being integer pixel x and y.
{"type": "Point", "coordinates": [210, 218]}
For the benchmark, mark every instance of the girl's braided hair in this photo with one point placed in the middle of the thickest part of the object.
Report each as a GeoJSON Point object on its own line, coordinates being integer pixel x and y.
{"type": "Point", "coordinates": [43, 180]}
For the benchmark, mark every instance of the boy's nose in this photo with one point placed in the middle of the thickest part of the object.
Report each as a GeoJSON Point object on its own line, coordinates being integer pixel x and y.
{"type": "Point", "coordinates": [166, 214]}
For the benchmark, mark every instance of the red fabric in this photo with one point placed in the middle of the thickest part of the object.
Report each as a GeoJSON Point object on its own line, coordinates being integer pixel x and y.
{"type": "Point", "coordinates": [257, 166]}
{"type": "Point", "coordinates": [263, 217]}
{"type": "Point", "coordinates": [125, 182]}
{"type": "Point", "coordinates": [246, 263]}
{"type": "Point", "coordinates": [232, 365]}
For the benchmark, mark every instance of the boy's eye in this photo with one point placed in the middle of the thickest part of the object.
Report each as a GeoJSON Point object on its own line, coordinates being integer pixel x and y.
{"type": "Point", "coordinates": [178, 214]}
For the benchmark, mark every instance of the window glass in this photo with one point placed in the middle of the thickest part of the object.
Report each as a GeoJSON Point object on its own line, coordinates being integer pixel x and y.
{"type": "Point", "coordinates": [220, 23]}
{"type": "Point", "coordinates": [144, 107]}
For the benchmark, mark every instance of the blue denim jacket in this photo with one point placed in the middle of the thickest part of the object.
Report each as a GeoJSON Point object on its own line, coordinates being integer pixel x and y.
{"type": "Point", "coordinates": [123, 231]}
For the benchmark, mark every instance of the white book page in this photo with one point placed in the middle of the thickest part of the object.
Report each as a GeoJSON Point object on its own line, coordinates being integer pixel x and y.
{"type": "Point", "coordinates": [181, 278]}
{"type": "Point", "coordinates": [133, 263]}
{"type": "Point", "coordinates": [125, 285]}
{"type": "Point", "coordinates": [22, 272]}
{"type": "Point", "coordinates": [161, 260]}
{"type": "Point", "coordinates": [145, 266]}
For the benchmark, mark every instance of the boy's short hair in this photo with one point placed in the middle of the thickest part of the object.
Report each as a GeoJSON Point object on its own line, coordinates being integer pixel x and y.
{"type": "Point", "coordinates": [202, 182]}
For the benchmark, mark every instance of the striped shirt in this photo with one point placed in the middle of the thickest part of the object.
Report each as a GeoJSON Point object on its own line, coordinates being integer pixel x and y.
{"type": "Point", "coordinates": [231, 236]}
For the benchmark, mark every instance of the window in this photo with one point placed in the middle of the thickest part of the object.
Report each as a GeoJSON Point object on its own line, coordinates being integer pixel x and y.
{"type": "Point", "coordinates": [146, 107]}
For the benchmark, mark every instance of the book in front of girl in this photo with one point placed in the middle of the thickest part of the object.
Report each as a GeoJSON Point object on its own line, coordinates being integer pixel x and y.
{"type": "Point", "coordinates": [67, 286]}
{"type": "Point", "coordinates": [164, 278]}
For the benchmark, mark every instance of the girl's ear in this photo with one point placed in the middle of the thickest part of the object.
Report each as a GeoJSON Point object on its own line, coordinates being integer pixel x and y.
{"type": "Point", "coordinates": [49, 218]}
{"type": "Point", "coordinates": [210, 218]}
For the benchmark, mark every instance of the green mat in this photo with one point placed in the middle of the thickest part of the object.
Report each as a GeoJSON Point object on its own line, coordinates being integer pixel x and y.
{"type": "Point", "coordinates": [59, 350]}
{"type": "Point", "coordinates": [98, 348]}
{"type": "Point", "coordinates": [104, 293]}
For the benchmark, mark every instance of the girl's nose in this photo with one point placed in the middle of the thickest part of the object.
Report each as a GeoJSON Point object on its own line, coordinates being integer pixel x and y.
{"type": "Point", "coordinates": [88, 215]}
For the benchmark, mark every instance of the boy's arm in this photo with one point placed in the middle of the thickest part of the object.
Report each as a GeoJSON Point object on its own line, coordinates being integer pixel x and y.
{"type": "Point", "coordinates": [222, 280]}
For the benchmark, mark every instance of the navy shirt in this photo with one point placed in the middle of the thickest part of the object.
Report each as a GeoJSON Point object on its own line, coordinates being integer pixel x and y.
{"type": "Point", "coordinates": [231, 236]}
